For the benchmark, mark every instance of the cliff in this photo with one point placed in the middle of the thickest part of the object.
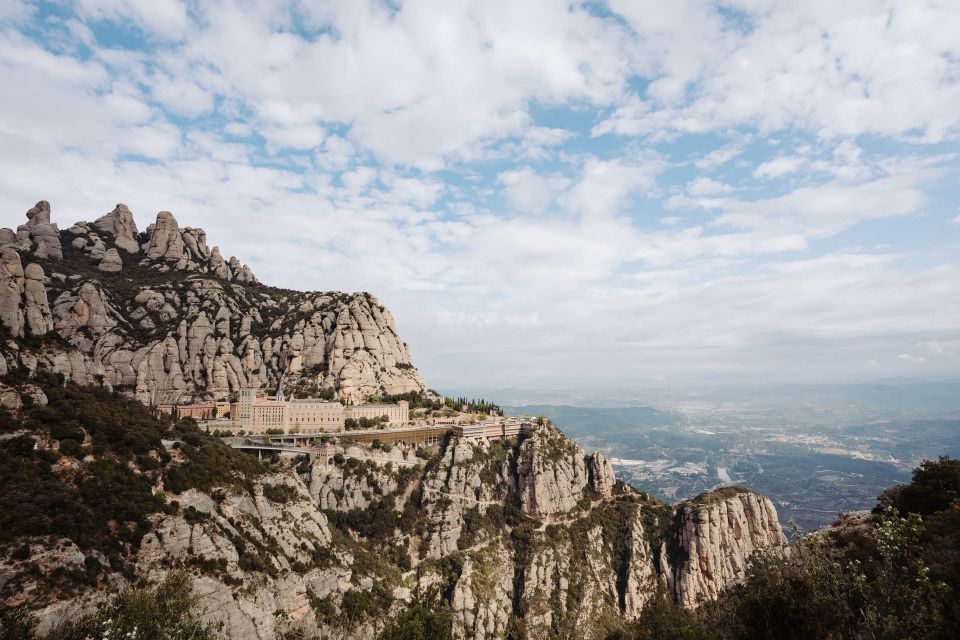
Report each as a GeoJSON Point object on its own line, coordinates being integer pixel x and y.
{"type": "Point", "coordinates": [162, 315]}
{"type": "Point", "coordinates": [717, 533]}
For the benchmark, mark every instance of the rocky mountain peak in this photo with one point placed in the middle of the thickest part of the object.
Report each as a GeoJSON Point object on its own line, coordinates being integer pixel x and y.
{"type": "Point", "coordinates": [39, 213]}
{"type": "Point", "coordinates": [120, 224]}
{"type": "Point", "coordinates": [166, 241]}
{"type": "Point", "coordinates": [39, 235]}
{"type": "Point", "coordinates": [163, 316]}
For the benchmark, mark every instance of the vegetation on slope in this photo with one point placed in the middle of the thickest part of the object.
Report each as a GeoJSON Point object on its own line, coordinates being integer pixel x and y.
{"type": "Point", "coordinates": [86, 466]}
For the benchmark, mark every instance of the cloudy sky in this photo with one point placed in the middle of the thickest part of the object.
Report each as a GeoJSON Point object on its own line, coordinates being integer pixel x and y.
{"type": "Point", "coordinates": [545, 193]}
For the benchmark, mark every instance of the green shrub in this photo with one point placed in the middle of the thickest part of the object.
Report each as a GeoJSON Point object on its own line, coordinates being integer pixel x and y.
{"type": "Point", "coordinates": [420, 622]}
{"type": "Point", "coordinates": [280, 493]}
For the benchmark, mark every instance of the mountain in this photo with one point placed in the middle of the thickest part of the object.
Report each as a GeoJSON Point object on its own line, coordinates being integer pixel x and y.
{"type": "Point", "coordinates": [530, 537]}
{"type": "Point", "coordinates": [165, 317]}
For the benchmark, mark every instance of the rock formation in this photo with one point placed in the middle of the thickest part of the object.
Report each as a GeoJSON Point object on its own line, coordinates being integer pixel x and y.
{"type": "Point", "coordinates": [38, 234]}
{"type": "Point", "coordinates": [119, 223]}
{"type": "Point", "coordinates": [718, 534]}
{"type": "Point", "coordinates": [185, 323]}
{"type": "Point", "coordinates": [553, 477]}
{"type": "Point", "coordinates": [111, 261]}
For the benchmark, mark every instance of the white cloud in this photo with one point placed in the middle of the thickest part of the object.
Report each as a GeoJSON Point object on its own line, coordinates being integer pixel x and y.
{"type": "Point", "coordinates": [906, 357]}
{"type": "Point", "coordinates": [779, 167]}
{"type": "Point", "coordinates": [721, 156]}
{"type": "Point", "coordinates": [829, 208]}
{"type": "Point", "coordinates": [238, 129]}
{"type": "Point", "coordinates": [15, 10]}
{"type": "Point", "coordinates": [939, 347]}
{"type": "Point", "coordinates": [182, 97]}
{"type": "Point", "coordinates": [526, 191]}
{"type": "Point", "coordinates": [707, 187]}
{"type": "Point", "coordinates": [336, 154]}
{"type": "Point", "coordinates": [836, 69]}
{"type": "Point", "coordinates": [373, 144]}
{"type": "Point", "coordinates": [166, 18]}
{"type": "Point", "coordinates": [604, 185]}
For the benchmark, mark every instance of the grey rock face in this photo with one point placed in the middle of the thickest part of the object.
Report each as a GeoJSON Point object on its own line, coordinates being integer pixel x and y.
{"type": "Point", "coordinates": [119, 223]}
{"type": "Point", "coordinates": [111, 262]}
{"type": "Point", "coordinates": [171, 339]}
{"type": "Point", "coordinates": [40, 232]}
{"type": "Point", "coordinates": [36, 309]}
{"type": "Point", "coordinates": [719, 536]}
{"type": "Point", "coordinates": [166, 242]}
{"type": "Point", "coordinates": [23, 297]}
{"type": "Point", "coordinates": [11, 290]}
{"type": "Point", "coordinates": [482, 597]}
{"type": "Point", "coordinates": [555, 474]}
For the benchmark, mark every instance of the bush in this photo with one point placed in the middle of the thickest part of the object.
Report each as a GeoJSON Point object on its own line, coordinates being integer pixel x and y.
{"type": "Point", "coordinates": [280, 493]}
{"type": "Point", "coordinates": [16, 624]}
{"type": "Point", "coordinates": [420, 622]}
{"type": "Point", "coordinates": [71, 448]}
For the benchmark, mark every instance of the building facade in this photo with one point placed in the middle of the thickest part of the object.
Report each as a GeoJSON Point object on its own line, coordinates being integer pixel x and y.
{"type": "Point", "coordinates": [258, 414]}
{"type": "Point", "coordinates": [396, 414]}
{"type": "Point", "coordinates": [494, 429]}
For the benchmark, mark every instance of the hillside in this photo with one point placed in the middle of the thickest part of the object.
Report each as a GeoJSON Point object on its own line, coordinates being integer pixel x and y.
{"type": "Point", "coordinates": [527, 538]}
{"type": "Point", "coordinates": [530, 537]}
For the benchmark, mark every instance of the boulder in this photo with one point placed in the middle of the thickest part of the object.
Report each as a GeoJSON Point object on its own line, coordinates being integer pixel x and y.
{"type": "Point", "coordinates": [111, 262]}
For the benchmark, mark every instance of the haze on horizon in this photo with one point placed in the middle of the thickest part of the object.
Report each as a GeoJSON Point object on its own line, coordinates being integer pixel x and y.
{"type": "Point", "coordinates": [545, 194]}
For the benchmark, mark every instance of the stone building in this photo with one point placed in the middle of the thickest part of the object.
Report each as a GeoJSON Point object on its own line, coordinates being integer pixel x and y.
{"type": "Point", "coordinates": [396, 414]}
{"type": "Point", "coordinates": [197, 411]}
{"type": "Point", "coordinates": [257, 414]}
{"type": "Point", "coordinates": [494, 429]}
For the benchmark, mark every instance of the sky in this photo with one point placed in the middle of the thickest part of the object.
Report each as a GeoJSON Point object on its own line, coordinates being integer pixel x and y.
{"type": "Point", "coordinates": [545, 194]}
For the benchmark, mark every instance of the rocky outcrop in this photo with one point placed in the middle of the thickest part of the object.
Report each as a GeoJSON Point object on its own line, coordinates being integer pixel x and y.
{"type": "Point", "coordinates": [119, 223]}
{"type": "Point", "coordinates": [471, 477]}
{"type": "Point", "coordinates": [176, 328]}
{"type": "Point", "coordinates": [23, 296]}
{"type": "Point", "coordinates": [293, 531]}
{"type": "Point", "coordinates": [482, 598]}
{"type": "Point", "coordinates": [111, 261]}
{"type": "Point", "coordinates": [35, 307]}
{"type": "Point", "coordinates": [166, 242]}
{"type": "Point", "coordinates": [554, 475]}
{"type": "Point", "coordinates": [363, 483]}
{"type": "Point", "coordinates": [718, 533]}
{"type": "Point", "coordinates": [39, 235]}
{"type": "Point", "coordinates": [11, 291]}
